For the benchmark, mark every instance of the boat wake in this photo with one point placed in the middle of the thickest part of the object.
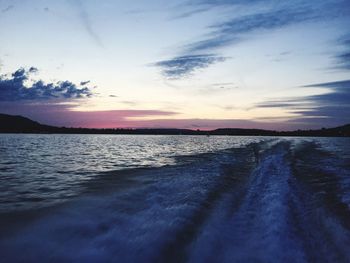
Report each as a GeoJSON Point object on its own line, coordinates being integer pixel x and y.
{"type": "Point", "coordinates": [273, 201]}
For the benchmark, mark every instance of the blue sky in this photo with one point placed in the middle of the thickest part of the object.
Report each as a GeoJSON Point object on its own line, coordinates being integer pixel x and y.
{"type": "Point", "coordinates": [189, 64]}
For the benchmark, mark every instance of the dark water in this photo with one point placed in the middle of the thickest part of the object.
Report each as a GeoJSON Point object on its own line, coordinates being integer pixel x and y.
{"type": "Point", "coordinates": [216, 199]}
{"type": "Point", "coordinates": [42, 170]}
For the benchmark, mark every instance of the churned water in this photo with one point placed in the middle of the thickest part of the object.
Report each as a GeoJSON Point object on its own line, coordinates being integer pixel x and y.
{"type": "Point", "coordinates": [101, 198]}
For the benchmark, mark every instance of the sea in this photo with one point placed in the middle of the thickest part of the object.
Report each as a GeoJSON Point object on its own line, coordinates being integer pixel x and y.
{"type": "Point", "coordinates": [162, 198]}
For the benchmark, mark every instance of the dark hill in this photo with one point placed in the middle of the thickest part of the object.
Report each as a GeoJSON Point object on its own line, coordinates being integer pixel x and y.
{"type": "Point", "coordinates": [10, 123]}
{"type": "Point", "coordinates": [19, 124]}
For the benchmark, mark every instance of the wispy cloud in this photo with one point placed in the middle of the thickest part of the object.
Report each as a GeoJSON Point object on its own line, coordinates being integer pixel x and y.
{"type": "Point", "coordinates": [224, 85]}
{"type": "Point", "coordinates": [183, 66]}
{"type": "Point", "coordinates": [83, 83]}
{"type": "Point", "coordinates": [86, 20]}
{"type": "Point", "coordinates": [223, 2]}
{"type": "Point", "coordinates": [283, 103]}
{"type": "Point", "coordinates": [215, 88]}
{"type": "Point", "coordinates": [338, 97]}
{"type": "Point", "coordinates": [16, 88]}
{"type": "Point", "coordinates": [193, 7]}
{"type": "Point", "coordinates": [8, 8]}
{"type": "Point", "coordinates": [320, 8]}
{"type": "Point", "coordinates": [233, 30]}
{"type": "Point", "coordinates": [342, 59]}
{"type": "Point", "coordinates": [191, 12]}
{"type": "Point", "coordinates": [331, 108]}
{"type": "Point", "coordinates": [255, 16]}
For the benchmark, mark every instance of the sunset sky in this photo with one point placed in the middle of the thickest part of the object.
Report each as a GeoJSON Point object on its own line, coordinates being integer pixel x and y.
{"type": "Point", "coordinates": [198, 64]}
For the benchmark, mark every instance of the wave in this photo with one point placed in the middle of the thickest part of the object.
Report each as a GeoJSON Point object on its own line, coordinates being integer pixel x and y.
{"type": "Point", "coordinates": [273, 201]}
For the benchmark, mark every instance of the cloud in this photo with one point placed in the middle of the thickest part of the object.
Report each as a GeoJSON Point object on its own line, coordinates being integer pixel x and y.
{"type": "Point", "coordinates": [191, 12]}
{"type": "Point", "coordinates": [334, 85]}
{"type": "Point", "coordinates": [224, 86]}
{"type": "Point", "coordinates": [320, 8]}
{"type": "Point", "coordinates": [339, 95]}
{"type": "Point", "coordinates": [193, 7]}
{"type": "Point", "coordinates": [183, 66]}
{"type": "Point", "coordinates": [83, 83]}
{"type": "Point", "coordinates": [86, 21]}
{"type": "Point", "coordinates": [8, 8]}
{"type": "Point", "coordinates": [129, 102]}
{"type": "Point", "coordinates": [342, 59]}
{"type": "Point", "coordinates": [279, 104]}
{"type": "Point", "coordinates": [233, 30]}
{"type": "Point", "coordinates": [33, 70]}
{"type": "Point", "coordinates": [16, 88]}
{"type": "Point", "coordinates": [331, 108]}
{"type": "Point", "coordinates": [252, 16]}
{"type": "Point", "coordinates": [224, 34]}
{"type": "Point", "coordinates": [223, 2]}
{"type": "Point", "coordinates": [53, 103]}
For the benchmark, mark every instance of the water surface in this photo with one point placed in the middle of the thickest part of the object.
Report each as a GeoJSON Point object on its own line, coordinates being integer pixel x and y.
{"type": "Point", "coordinates": [174, 199]}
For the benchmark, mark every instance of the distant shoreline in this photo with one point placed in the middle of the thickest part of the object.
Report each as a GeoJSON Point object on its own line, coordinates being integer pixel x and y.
{"type": "Point", "coordinates": [158, 134]}
{"type": "Point", "coordinates": [22, 125]}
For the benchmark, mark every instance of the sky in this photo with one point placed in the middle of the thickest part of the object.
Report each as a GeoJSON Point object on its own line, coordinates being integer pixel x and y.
{"type": "Point", "coordinates": [196, 64]}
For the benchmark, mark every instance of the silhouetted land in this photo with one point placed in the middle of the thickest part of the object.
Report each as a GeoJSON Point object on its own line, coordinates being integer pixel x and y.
{"type": "Point", "coordinates": [19, 124]}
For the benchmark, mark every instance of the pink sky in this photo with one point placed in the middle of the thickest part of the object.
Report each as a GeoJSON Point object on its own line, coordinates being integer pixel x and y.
{"type": "Point", "coordinates": [61, 115]}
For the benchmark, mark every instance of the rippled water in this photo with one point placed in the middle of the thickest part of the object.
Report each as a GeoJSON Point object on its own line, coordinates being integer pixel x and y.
{"type": "Point", "coordinates": [39, 170]}
{"type": "Point", "coordinates": [176, 199]}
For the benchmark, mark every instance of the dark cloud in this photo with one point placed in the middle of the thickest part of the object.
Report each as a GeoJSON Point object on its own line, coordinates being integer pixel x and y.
{"type": "Point", "coordinates": [331, 108]}
{"type": "Point", "coordinates": [339, 95]}
{"type": "Point", "coordinates": [233, 31]}
{"type": "Point", "coordinates": [83, 83]}
{"type": "Point", "coordinates": [334, 85]}
{"type": "Point", "coordinates": [342, 59]}
{"type": "Point", "coordinates": [320, 8]}
{"type": "Point", "coordinates": [33, 70]}
{"type": "Point", "coordinates": [279, 104]}
{"type": "Point", "coordinates": [185, 65]}
{"type": "Point", "coordinates": [16, 88]}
